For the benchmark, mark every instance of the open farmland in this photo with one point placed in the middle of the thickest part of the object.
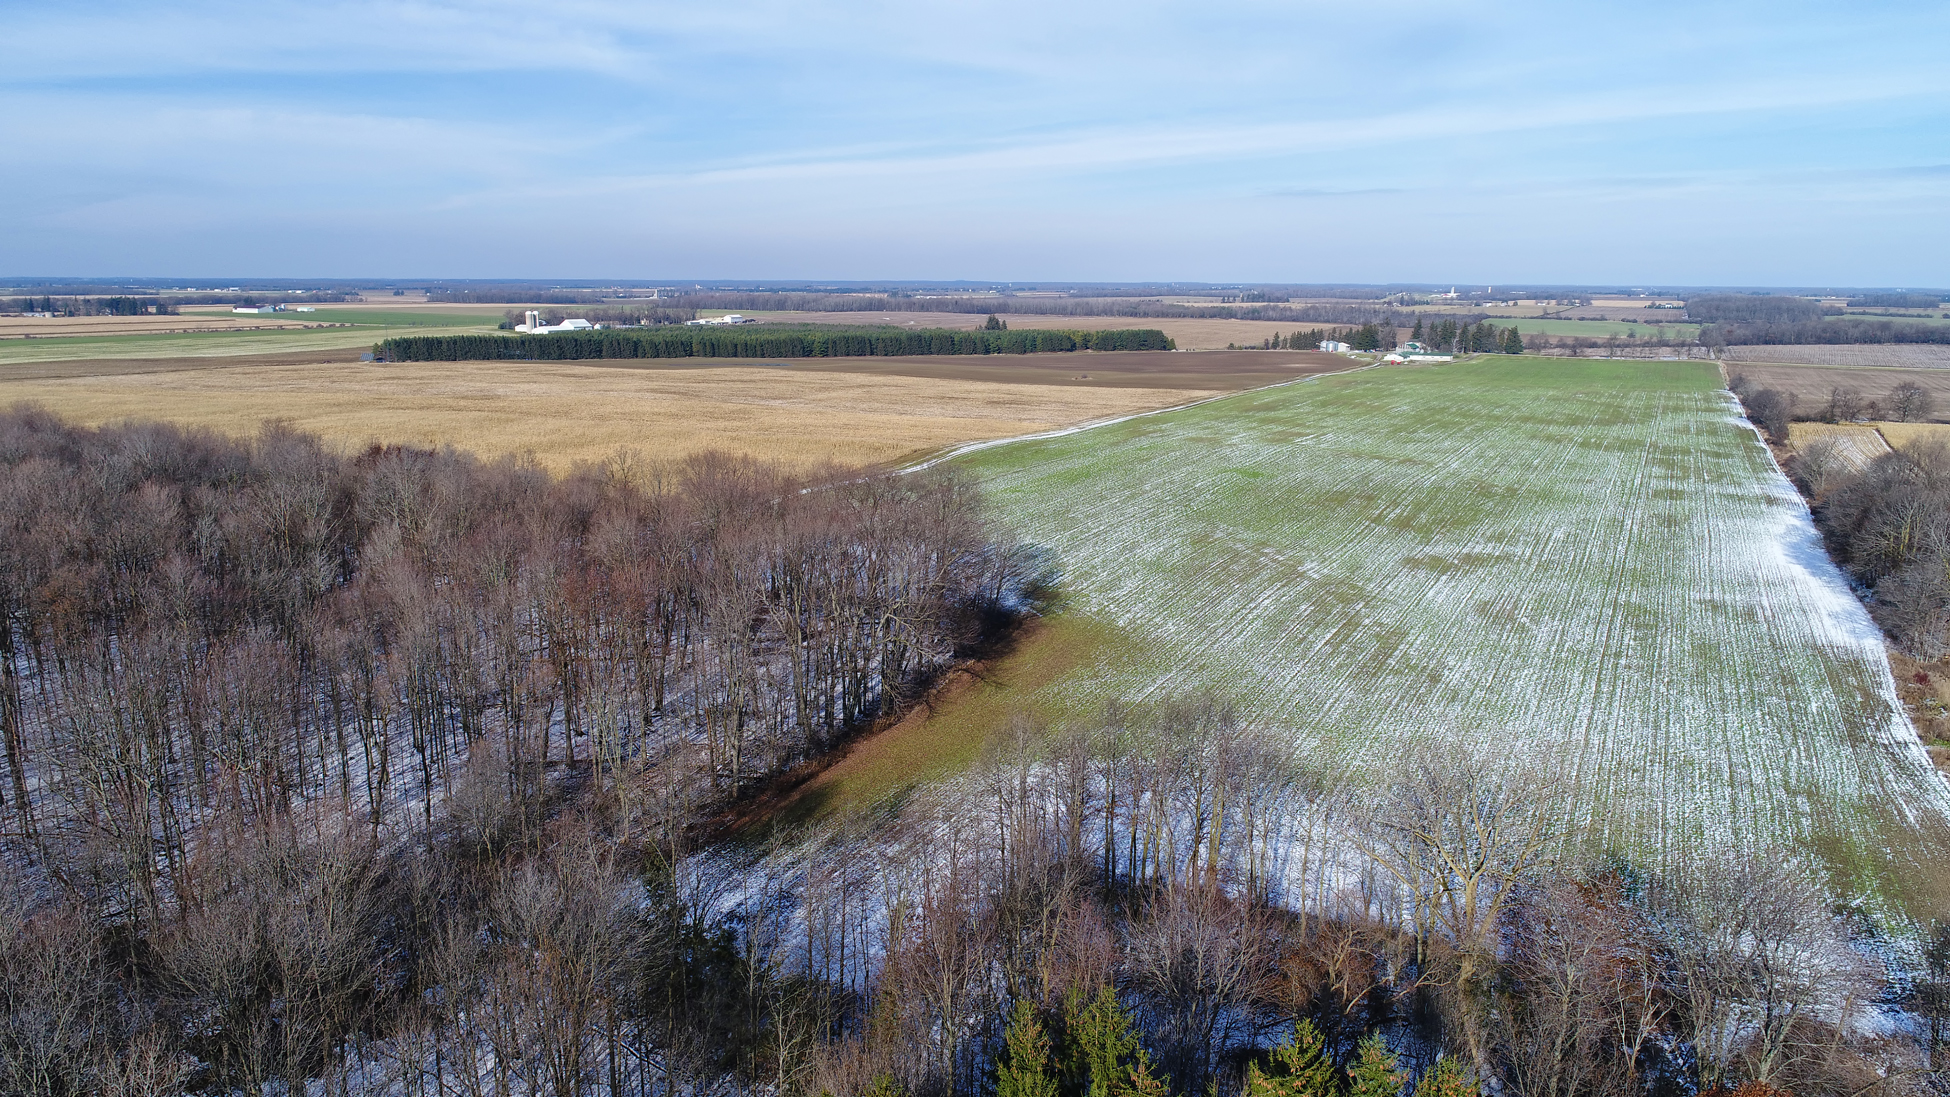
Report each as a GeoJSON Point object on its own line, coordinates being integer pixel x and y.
{"type": "Point", "coordinates": [1593, 566]}
{"type": "Point", "coordinates": [1812, 384]}
{"type": "Point", "coordinates": [209, 333]}
{"type": "Point", "coordinates": [66, 327]}
{"type": "Point", "coordinates": [865, 411]}
{"type": "Point", "coordinates": [1902, 355]}
{"type": "Point", "coordinates": [1194, 333]}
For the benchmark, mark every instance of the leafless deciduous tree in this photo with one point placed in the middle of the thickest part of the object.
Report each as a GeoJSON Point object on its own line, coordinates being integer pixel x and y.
{"type": "Point", "coordinates": [1459, 836]}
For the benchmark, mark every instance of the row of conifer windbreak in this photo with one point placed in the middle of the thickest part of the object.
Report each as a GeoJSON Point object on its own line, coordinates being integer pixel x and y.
{"type": "Point", "coordinates": [811, 342]}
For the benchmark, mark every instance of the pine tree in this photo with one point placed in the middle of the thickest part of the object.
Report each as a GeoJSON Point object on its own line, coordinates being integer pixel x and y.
{"type": "Point", "coordinates": [1416, 335]}
{"type": "Point", "coordinates": [1446, 1078]}
{"type": "Point", "coordinates": [1300, 1067]}
{"type": "Point", "coordinates": [1375, 1072]}
{"type": "Point", "coordinates": [1368, 338]}
{"type": "Point", "coordinates": [1512, 341]}
{"type": "Point", "coordinates": [1023, 1070]}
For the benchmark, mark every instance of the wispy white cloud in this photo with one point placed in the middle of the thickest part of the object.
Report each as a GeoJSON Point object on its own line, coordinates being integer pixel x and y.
{"type": "Point", "coordinates": [849, 130]}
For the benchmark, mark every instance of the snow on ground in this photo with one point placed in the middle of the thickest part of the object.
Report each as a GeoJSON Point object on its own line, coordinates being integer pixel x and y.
{"type": "Point", "coordinates": [1593, 566]}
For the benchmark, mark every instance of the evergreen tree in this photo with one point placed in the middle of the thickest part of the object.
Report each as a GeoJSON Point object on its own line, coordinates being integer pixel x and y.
{"type": "Point", "coordinates": [1300, 1067]}
{"type": "Point", "coordinates": [1445, 335]}
{"type": "Point", "coordinates": [1143, 1083]}
{"type": "Point", "coordinates": [1023, 1070]}
{"type": "Point", "coordinates": [1101, 1057]}
{"type": "Point", "coordinates": [1512, 341]}
{"type": "Point", "coordinates": [1368, 338]}
{"type": "Point", "coordinates": [1375, 1072]}
{"type": "Point", "coordinates": [1446, 1078]}
{"type": "Point", "coordinates": [1416, 335]}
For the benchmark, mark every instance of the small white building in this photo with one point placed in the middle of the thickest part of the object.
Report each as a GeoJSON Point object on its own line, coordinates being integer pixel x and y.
{"type": "Point", "coordinates": [256, 309]}
{"type": "Point", "coordinates": [1334, 346]}
{"type": "Point", "coordinates": [728, 318]}
{"type": "Point", "coordinates": [1416, 352]}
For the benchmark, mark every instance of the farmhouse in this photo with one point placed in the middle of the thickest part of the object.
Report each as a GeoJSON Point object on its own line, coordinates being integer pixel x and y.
{"type": "Point", "coordinates": [1416, 352]}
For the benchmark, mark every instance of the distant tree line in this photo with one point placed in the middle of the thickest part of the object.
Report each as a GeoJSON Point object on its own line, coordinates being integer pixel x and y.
{"type": "Point", "coordinates": [1849, 330]}
{"type": "Point", "coordinates": [250, 298]}
{"type": "Point", "coordinates": [769, 342]}
{"type": "Point", "coordinates": [92, 306]}
{"type": "Point", "coordinates": [1741, 308]}
{"type": "Point", "coordinates": [1896, 301]}
{"type": "Point", "coordinates": [515, 294]}
{"type": "Point", "coordinates": [1756, 320]}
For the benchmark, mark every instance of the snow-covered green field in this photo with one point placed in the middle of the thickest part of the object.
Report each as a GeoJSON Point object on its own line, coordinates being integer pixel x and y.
{"type": "Point", "coordinates": [1594, 565]}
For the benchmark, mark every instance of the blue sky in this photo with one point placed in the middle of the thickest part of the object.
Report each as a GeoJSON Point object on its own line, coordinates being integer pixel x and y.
{"type": "Point", "coordinates": [1699, 143]}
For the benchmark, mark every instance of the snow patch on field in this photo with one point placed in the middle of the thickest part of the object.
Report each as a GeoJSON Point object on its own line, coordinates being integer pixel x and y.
{"type": "Point", "coordinates": [1583, 565]}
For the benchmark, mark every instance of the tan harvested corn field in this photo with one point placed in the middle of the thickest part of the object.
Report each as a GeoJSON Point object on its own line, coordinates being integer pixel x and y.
{"type": "Point", "coordinates": [1856, 445]}
{"type": "Point", "coordinates": [564, 413]}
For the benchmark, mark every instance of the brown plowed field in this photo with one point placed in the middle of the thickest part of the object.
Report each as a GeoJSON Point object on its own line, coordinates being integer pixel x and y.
{"type": "Point", "coordinates": [1812, 384]}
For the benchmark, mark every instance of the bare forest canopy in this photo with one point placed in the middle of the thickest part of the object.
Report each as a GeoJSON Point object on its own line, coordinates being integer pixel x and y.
{"type": "Point", "coordinates": [1730, 308]}
{"type": "Point", "coordinates": [1897, 301]}
{"type": "Point", "coordinates": [768, 342]}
